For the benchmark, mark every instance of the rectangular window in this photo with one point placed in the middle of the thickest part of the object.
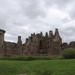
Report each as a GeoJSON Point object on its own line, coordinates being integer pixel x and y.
{"type": "Point", "coordinates": [45, 47]}
{"type": "Point", "coordinates": [48, 46]}
{"type": "Point", "coordinates": [34, 41]}
{"type": "Point", "coordinates": [0, 33]}
{"type": "Point", "coordinates": [48, 42]}
{"type": "Point", "coordinates": [36, 46]}
{"type": "Point", "coordinates": [45, 42]}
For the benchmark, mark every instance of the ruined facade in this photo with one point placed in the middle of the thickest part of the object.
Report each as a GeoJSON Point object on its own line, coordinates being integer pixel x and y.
{"type": "Point", "coordinates": [36, 44]}
{"type": "Point", "coordinates": [48, 44]}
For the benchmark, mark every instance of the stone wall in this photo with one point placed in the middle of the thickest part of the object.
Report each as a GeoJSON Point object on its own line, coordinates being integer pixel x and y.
{"type": "Point", "coordinates": [36, 44]}
{"type": "Point", "coordinates": [49, 44]}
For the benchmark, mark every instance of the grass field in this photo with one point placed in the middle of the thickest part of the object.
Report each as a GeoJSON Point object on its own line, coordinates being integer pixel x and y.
{"type": "Point", "coordinates": [38, 67]}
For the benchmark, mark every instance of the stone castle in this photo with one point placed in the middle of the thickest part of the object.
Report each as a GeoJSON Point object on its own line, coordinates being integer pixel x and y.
{"type": "Point", "coordinates": [36, 44]}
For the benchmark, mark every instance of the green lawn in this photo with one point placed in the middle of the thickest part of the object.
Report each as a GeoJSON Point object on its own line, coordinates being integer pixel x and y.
{"type": "Point", "coordinates": [38, 67]}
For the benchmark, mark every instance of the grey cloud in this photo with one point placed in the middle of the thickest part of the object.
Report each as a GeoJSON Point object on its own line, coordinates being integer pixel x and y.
{"type": "Point", "coordinates": [13, 33]}
{"type": "Point", "coordinates": [65, 20]}
{"type": "Point", "coordinates": [9, 37]}
{"type": "Point", "coordinates": [67, 31]}
{"type": "Point", "coordinates": [59, 3]}
{"type": "Point", "coordinates": [64, 5]}
{"type": "Point", "coordinates": [72, 13]}
{"type": "Point", "coordinates": [32, 8]}
{"type": "Point", "coordinates": [2, 21]}
{"type": "Point", "coordinates": [71, 30]}
{"type": "Point", "coordinates": [23, 17]}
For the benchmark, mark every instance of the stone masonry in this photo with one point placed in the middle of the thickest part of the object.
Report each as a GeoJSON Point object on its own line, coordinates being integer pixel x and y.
{"type": "Point", "coordinates": [36, 44]}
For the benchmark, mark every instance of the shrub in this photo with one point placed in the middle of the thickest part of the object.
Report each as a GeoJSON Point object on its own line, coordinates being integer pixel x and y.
{"type": "Point", "coordinates": [69, 53]}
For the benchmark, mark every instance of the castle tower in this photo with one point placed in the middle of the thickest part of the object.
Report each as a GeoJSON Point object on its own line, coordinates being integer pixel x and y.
{"type": "Point", "coordinates": [19, 40]}
{"type": "Point", "coordinates": [19, 46]}
{"type": "Point", "coordinates": [2, 45]}
{"type": "Point", "coordinates": [57, 37]}
{"type": "Point", "coordinates": [56, 32]}
{"type": "Point", "coordinates": [50, 34]}
{"type": "Point", "coordinates": [1, 37]}
{"type": "Point", "coordinates": [46, 35]}
{"type": "Point", "coordinates": [41, 33]}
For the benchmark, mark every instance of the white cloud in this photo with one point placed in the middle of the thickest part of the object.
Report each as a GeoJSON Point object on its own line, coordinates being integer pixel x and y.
{"type": "Point", "coordinates": [23, 17]}
{"type": "Point", "coordinates": [32, 8]}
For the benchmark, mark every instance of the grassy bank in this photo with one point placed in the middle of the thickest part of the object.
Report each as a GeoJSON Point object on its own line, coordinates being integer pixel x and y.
{"type": "Point", "coordinates": [38, 67]}
{"type": "Point", "coordinates": [29, 58]}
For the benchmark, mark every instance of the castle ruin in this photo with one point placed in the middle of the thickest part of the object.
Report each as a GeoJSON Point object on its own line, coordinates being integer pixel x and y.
{"type": "Point", "coordinates": [36, 44]}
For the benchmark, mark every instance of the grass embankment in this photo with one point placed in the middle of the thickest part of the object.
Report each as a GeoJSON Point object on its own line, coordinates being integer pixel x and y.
{"type": "Point", "coordinates": [38, 67]}
{"type": "Point", "coordinates": [29, 58]}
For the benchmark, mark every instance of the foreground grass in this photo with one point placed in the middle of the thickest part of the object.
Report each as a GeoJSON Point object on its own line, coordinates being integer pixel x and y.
{"type": "Point", "coordinates": [38, 67]}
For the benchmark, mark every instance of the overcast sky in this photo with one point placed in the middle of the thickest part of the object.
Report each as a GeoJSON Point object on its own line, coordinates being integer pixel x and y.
{"type": "Point", "coordinates": [23, 17]}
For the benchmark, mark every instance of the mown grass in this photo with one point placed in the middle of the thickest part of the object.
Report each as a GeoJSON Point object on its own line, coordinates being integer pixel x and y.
{"type": "Point", "coordinates": [38, 67]}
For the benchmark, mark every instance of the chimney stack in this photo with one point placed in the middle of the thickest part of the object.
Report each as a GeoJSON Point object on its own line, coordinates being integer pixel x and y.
{"type": "Point", "coordinates": [46, 35]}
{"type": "Point", "coordinates": [50, 34]}
{"type": "Point", "coordinates": [56, 32]}
{"type": "Point", "coordinates": [19, 40]}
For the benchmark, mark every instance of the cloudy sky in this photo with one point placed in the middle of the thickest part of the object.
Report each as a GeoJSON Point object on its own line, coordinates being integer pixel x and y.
{"type": "Point", "coordinates": [23, 17]}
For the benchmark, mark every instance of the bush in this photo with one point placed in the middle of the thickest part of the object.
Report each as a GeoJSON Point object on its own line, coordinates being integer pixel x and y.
{"type": "Point", "coordinates": [69, 53]}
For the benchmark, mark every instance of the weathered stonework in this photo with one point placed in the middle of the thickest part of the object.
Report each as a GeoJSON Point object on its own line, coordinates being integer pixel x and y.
{"type": "Point", "coordinates": [48, 44]}
{"type": "Point", "coordinates": [36, 44]}
{"type": "Point", "coordinates": [2, 43]}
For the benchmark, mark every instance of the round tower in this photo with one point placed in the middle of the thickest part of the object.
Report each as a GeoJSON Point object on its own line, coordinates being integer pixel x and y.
{"type": "Point", "coordinates": [2, 37]}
